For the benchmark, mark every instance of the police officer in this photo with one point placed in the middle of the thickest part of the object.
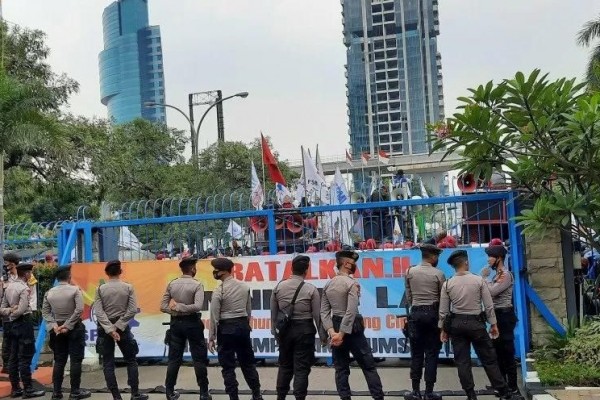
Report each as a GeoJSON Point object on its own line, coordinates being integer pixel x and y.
{"type": "Point", "coordinates": [230, 312]}
{"type": "Point", "coordinates": [345, 326]}
{"type": "Point", "coordinates": [16, 302]}
{"type": "Point", "coordinates": [462, 320]}
{"type": "Point", "coordinates": [10, 275]}
{"type": "Point", "coordinates": [297, 344]}
{"type": "Point", "coordinates": [423, 285]}
{"type": "Point", "coordinates": [183, 300]}
{"type": "Point", "coordinates": [62, 308]}
{"type": "Point", "coordinates": [501, 289]}
{"type": "Point", "coordinates": [114, 306]}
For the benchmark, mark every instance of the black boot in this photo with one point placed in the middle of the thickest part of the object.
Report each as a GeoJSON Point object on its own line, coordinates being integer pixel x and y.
{"type": "Point", "coordinates": [80, 394]}
{"type": "Point", "coordinates": [414, 395]}
{"type": "Point", "coordinates": [30, 393]}
{"type": "Point", "coordinates": [16, 392]}
{"type": "Point", "coordinates": [138, 396]}
{"type": "Point", "coordinates": [471, 395]}
{"type": "Point", "coordinates": [57, 396]}
{"type": "Point", "coordinates": [205, 396]}
{"type": "Point", "coordinates": [173, 395]}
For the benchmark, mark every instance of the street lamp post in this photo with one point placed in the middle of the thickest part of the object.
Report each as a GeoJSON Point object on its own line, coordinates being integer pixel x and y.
{"type": "Point", "coordinates": [195, 131]}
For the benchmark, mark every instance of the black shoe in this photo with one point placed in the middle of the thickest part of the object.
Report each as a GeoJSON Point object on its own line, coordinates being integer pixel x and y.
{"type": "Point", "coordinates": [174, 395]}
{"type": "Point", "coordinates": [80, 394]}
{"type": "Point", "coordinates": [432, 396]}
{"type": "Point", "coordinates": [205, 396]}
{"type": "Point", "coordinates": [57, 396]}
{"type": "Point", "coordinates": [257, 397]}
{"type": "Point", "coordinates": [16, 393]}
{"type": "Point", "coordinates": [29, 394]}
{"type": "Point", "coordinates": [414, 395]}
{"type": "Point", "coordinates": [139, 396]}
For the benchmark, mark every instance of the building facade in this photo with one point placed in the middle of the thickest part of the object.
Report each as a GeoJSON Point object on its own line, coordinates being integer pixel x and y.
{"type": "Point", "coordinates": [131, 64]}
{"type": "Point", "coordinates": [393, 70]}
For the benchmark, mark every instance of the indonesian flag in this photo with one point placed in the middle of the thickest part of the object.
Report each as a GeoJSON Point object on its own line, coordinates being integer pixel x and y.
{"type": "Point", "coordinates": [365, 158]}
{"type": "Point", "coordinates": [383, 157]}
{"type": "Point", "coordinates": [271, 163]}
{"type": "Point", "coordinates": [349, 159]}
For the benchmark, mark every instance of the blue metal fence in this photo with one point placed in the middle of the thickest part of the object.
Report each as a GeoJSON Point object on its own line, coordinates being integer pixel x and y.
{"type": "Point", "coordinates": [171, 228]}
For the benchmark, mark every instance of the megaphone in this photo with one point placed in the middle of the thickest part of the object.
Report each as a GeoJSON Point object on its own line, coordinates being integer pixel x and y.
{"type": "Point", "coordinates": [400, 193]}
{"type": "Point", "coordinates": [294, 223]}
{"type": "Point", "coordinates": [279, 222]}
{"type": "Point", "coordinates": [258, 224]}
{"type": "Point", "coordinates": [467, 183]}
{"type": "Point", "coordinates": [358, 197]}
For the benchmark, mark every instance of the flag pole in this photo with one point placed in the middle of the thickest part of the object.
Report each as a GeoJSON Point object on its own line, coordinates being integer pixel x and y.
{"type": "Point", "coordinates": [304, 174]}
{"type": "Point", "coordinates": [262, 155]}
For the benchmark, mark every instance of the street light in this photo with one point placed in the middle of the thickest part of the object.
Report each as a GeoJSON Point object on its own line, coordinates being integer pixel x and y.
{"type": "Point", "coordinates": [194, 131]}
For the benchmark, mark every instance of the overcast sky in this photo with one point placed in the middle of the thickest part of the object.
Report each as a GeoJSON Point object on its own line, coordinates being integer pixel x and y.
{"type": "Point", "coordinates": [289, 55]}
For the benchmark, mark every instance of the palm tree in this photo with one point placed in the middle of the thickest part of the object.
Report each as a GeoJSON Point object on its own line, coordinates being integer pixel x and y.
{"type": "Point", "coordinates": [28, 129]}
{"type": "Point", "coordinates": [585, 37]}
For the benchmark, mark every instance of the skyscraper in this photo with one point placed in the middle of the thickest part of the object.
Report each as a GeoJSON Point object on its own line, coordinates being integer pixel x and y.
{"type": "Point", "coordinates": [131, 64]}
{"type": "Point", "coordinates": [393, 72]}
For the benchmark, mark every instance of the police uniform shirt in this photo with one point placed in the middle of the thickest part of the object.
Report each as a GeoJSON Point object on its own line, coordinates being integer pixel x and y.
{"type": "Point", "coordinates": [187, 292]}
{"type": "Point", "coordinates": [230, 300]}
{"type": "Point", "coordinates": [63, 303]}
{"type": "Point", "coordinates": [465, 292]}
{"type": "Point", "coordinates": [115, 299]}
{"type": "Point", "coordinates": [17, 294]}
{"type": "Point", "coordinates": [308, 302]}
{"type": "Point", "coordinates": [501, 289]}
{"type": "Point", "coordinates": [340, 298]}
{"type": "Point", "coordinates": [423, 285]}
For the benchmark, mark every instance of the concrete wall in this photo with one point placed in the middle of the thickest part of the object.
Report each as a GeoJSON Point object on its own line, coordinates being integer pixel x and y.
{"type": "Point", "coordinates": [546, 276]}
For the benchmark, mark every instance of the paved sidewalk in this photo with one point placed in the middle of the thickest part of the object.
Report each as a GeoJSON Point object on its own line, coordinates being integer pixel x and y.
{"type": "Point", "coordinates": [394, 375]}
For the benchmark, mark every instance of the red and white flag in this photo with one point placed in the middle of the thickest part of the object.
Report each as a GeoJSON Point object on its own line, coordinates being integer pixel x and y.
{"type": "Point", "coordinates": [349, 159]}
{"type": "Point", "coordinates": [365, 158]}
{"type": "Point", "coordinates": [384, 157]}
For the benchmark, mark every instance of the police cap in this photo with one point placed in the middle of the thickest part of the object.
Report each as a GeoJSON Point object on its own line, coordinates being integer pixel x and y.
{"type": "Point", "coordinates": [12, 258]}
{"type": "Point", "coordinates": [456, 256]}
{"type": "Point", "coordinates": [496, 251]}
{"type": "Point", "coordinates": [24, 267]}
{"type": "Point", "coordinates": [347, 254]}
{"type": "Point", "coordinates": [187, 262]}
{"type": "Point", "coordinates": [431, 249]}
{"type": "Point", "coordinates": [222, 264]}
{"type": "Point", "coordinates": [300, 263]}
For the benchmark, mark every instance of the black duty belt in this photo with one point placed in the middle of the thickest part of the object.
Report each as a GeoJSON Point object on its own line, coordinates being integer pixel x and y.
{"type": "Point", "coordinates": [233, 320]}
{"type": "Point", "coordinates": [504, 310]}
{"type": "Point", "coordinates": [189, 317]}
{"type": "Point", "coordinates": [467, 317]}
{"type": "Point", "coordinates": [303, 321]}
{"type": "Point", "coordinates": [427, 307]}
{"type": "Point", "coordinates": [23, 318]}
{"type": "Point", "coordinates": [59, 323]}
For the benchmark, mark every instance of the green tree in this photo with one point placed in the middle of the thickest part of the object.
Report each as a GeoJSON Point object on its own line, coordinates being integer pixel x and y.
{"type": "Point", "coordinates": [586, 37]}
{"type": "Point", "coordinates": [545, 135]}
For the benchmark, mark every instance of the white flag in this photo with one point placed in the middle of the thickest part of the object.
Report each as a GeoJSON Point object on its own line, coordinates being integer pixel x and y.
{"type": "Point", "coordinates": [315, 185]}
{"type": "Point", "coordinates": [256, 194]}
{"type": "Point", "coordinates": [398, 238]}
{"type": "Point", "coordinates": [424, 194]}
{"type": "Point", "coordinates": [341, 221]}
{"type": "Point", "coordinates": [234, 229]}
{"type": "Point", "coordinates": [283, 194]}
{"type": "Point", "coordinates": [320, 169]}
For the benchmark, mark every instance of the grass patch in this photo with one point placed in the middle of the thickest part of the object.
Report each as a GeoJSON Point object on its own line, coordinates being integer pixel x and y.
{"type": "Point", "coordinates": [559, 373]}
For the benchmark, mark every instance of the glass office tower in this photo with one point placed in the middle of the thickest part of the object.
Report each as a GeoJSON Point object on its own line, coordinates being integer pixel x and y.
{"type": "Point", "coordinates": [131, 64]}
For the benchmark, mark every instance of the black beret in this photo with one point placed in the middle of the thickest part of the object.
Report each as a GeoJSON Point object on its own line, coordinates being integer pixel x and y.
{"type": "Point", "coordinates": [347, 254]}
{"type": "Point", "coordinates": [301, 261]}
{"type": "Point", "coordinates": [496, 251]}
{"type": "Point", "coordinates": [455, 255]}
{"type": "Point", "coordinates": [187, 262]}
{"type": "Point", "coordinates": [24, 267]}
{"type": "Point", "coordinates": [222, 263]}
{"type": "Point", "coordinates": [430, 249]}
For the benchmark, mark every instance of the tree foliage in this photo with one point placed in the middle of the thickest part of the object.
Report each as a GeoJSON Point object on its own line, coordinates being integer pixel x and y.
{"type": "Point", "coordinates": [545, 135]}
{"type": "Point", "coordinates": [586, 37]}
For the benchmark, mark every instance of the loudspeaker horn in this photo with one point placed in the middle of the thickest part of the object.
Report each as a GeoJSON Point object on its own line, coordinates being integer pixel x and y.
{"type": "Point", "coordinates": [467, 183]}
{"type": "Point", "coordinates": [294, 223]}
{"type": "Point", "coordinates": [400, 193]}
{"type": "Point", "coordinates": [258, 224]}
{"type": "Point", "coordinates": [358, 197]}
